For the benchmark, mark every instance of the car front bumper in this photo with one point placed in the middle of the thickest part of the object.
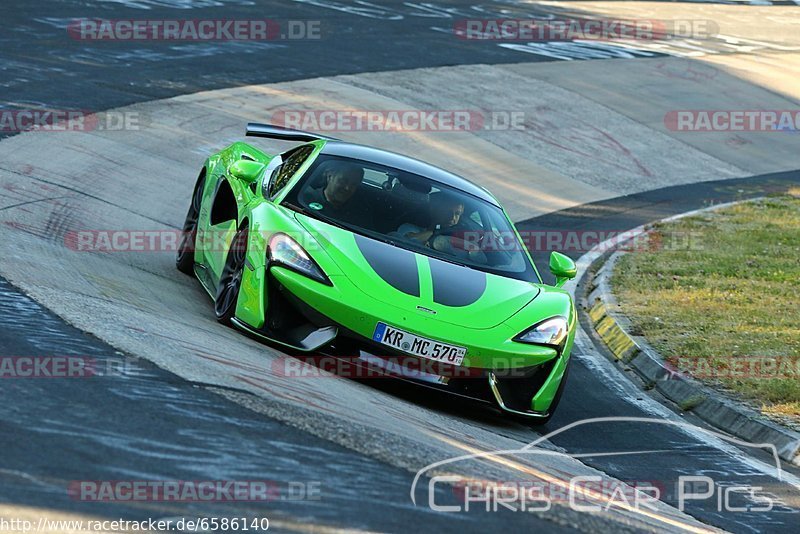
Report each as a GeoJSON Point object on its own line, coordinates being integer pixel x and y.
{"type": "Point", "coordinates": [518, 378]}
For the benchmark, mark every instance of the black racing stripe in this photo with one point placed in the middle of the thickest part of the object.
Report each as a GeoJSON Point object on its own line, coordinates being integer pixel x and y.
{"type": "Point", "coordinates": [396, 266]}
{"type": "Point", "coordinates": [454, 285]}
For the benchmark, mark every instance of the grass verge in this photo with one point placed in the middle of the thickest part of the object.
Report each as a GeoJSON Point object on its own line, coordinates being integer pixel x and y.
{"type": "Point", "coordinates": [720, 299]}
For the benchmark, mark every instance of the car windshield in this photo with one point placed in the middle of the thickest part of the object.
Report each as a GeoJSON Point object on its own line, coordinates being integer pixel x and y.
{"type": "Point", "coordinates": [412, 212]}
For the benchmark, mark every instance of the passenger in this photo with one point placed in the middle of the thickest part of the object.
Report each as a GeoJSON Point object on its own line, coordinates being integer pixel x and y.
{"type": "Point", "coordinates": [445, 213]}
{"type": "Point", "coordinates": [443, 234]}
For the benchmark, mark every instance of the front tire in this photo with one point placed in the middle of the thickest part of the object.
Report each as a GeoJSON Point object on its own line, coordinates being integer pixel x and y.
{"type": "Point", "coordinates": [184, 260]}
{"type": "Point", "coordinates": [231, 279]}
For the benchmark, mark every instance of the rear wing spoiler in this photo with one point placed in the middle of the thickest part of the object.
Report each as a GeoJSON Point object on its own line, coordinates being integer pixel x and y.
{"type": "Point", "coordinates": [269, 131]}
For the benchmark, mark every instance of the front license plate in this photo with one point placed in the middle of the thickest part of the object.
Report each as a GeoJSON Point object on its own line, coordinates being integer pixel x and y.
{"type": "Point", "coordinates": [418, 346]}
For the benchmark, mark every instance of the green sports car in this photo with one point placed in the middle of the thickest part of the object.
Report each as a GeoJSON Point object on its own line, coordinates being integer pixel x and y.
{"type": "Point", "coordinates": [400, 267]}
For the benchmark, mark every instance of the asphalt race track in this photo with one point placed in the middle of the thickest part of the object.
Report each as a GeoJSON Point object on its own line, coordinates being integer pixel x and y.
{"type": "Point", "coordinates": [184, 398]}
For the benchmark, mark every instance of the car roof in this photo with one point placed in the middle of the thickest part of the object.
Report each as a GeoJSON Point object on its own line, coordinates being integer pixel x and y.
{"type": "Point", "coordinates": [405, 163]}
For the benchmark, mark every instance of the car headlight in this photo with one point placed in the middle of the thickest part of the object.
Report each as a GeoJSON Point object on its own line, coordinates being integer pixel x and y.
{"type": "Point", "coordinates": [551, 331]}
{"type": "Point", "coordinates": [287, 252]}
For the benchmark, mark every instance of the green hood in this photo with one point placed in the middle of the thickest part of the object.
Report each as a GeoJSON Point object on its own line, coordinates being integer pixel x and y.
{"type": "Point", "coordinates": [458, 295]}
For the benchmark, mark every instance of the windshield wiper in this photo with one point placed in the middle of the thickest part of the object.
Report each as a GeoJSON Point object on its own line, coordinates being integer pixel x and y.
{"type": "Point", "coordinates": [295, 207]}
{"type": "Point", "coordinates": [317, 216]}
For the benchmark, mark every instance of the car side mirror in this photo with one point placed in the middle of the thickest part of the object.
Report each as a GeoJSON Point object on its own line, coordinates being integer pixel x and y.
{"type": "Point", "coordinates": [562, 267]}
{"type": "Point", "coordinates": [246, 171]}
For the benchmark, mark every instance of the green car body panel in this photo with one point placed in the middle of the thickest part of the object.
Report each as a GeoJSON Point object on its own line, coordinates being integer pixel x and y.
{"type": "Point", "coordinates": [358, 298]}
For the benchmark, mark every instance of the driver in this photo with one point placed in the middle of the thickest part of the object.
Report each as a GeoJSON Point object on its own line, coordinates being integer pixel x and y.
{"type": "Point", "coordinates": [335, 199]}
